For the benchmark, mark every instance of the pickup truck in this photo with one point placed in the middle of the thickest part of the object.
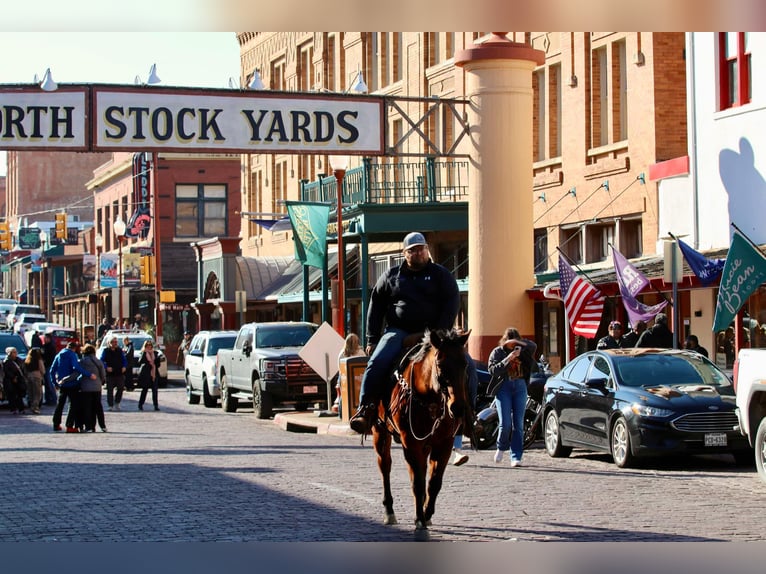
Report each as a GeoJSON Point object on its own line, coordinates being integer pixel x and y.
{"type": "Point", "coordinates": [264, 368]}
{"type": "Point", "coordinates": [750, 386]}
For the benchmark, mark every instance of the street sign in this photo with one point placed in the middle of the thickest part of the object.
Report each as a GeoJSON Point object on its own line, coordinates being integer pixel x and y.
{"type": "Point", "coordinates": [322, 350]}
{"type": "Point", "coordinates": [29, 238]}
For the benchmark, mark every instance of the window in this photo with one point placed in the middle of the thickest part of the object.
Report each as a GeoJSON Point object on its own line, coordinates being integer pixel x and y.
{"type": "Point", "coordinates": [569, 243]}
{"type": "Point", "coordinates": [200, 210]}
{"type": "Point", "coordinates": [734, 69]}
{"type": "Point", "coordinates": [599, 104]}
{"type": "Point", "coordinates": [279, 187]}
{"type": "Point", "coordinates": [619, 92]}
{"type": "Point", "coordinates": [306, 67]}
{"type": "Point", "coordinates": [278, 75]}
{"type": "Point", "coordinates": [541, 250]}
{"type": "Point", "coordinates": [599, 237]}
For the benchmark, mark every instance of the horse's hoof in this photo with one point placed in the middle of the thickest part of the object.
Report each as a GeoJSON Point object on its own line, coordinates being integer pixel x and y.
{"type": "Point", "coordinates": [420, 525]}
{"type": "Point", "coordinates": [390, 519]}
{"type": "Point", "coordinates": [428, 522]}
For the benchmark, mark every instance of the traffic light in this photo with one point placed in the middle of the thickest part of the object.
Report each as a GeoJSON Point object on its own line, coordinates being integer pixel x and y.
{"type": "Point", "coordinates": [61, 226]}
{"type": "Point", "coordinates": [5, 236]}
{"type": "Point", "coordinates": [147, 270]}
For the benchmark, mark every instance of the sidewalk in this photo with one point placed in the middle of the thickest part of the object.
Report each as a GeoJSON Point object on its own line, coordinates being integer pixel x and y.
{"type": "Point", "coordinates": [311, 422]}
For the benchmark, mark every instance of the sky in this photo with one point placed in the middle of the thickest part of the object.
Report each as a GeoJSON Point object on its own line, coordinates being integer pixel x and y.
{"type": "Point", "coordinates": [190, 59]}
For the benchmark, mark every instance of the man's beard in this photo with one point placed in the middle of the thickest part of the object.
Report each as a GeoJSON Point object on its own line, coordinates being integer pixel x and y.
{"type": "Point", "coordinates": [417, 265]}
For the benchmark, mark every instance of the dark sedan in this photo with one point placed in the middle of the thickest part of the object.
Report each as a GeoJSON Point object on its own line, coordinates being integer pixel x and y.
{"type": "Point", "coordinates": [642, 402]}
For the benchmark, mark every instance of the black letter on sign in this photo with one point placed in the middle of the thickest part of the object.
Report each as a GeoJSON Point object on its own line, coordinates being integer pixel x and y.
{"type": "Point", "coordinates": [277, 126]}
{"type": "Point", "coordinates": [208, 124]}
{"type": "Point", "coordinates": [66, 120]}
{"type": "Point", "coordinates": [182, 135]}
{"type": "Point", "coordinates": [167, 124]}
{"type": "Point", "coordinates": [301, 121]}
{"type": "Point", "coordinates": [255, 125]}
{"type": "Point", "coordinates": [353, 133]}
{"type": "Point", "coordinates": [111, 120]}
{"type": "Point", "coordinates": [13, 117]}
{"type": "Point", "coordinates": [328, 123]}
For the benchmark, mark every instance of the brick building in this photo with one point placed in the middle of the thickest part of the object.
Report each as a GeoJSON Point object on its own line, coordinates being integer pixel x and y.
{"type": "Point", "coordinates": [607, 106]}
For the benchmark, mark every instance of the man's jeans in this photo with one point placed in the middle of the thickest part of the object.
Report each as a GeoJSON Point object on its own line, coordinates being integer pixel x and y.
{"type": "Point", "coordinates": [378, 369]}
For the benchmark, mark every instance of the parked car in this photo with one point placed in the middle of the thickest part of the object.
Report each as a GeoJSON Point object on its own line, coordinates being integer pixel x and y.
{"type": "Point", "coordinates": [9, 339]}
{"type": "Point", "coordinates": [137, 338]}
{"type": "Point", "coordinates": [5, 307]}
{"type": "Point", "coordinates": [24, 322]}
{"type": "Point", "coordinates": [18, 309]}
{"type": "Point", "coordinates": [199, 366]}
{"type": "Point", "coordinates": [61, 336]}
{"type": "Point", "coordinates": [38, 327]}
{"type": "Point", "coordinates": [642, 402]}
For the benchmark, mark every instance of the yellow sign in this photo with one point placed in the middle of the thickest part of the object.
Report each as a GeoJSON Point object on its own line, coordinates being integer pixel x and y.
{"type": "Point", "coordinates": [167, 296]}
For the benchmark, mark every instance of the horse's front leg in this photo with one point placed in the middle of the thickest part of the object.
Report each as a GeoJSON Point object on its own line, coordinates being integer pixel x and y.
{"type": "Point", "coordinates": [381, 439]}
{"type": "Point", "coordinates": [438, 464]}
{"type": "Point", "coordinates": [416, 460]}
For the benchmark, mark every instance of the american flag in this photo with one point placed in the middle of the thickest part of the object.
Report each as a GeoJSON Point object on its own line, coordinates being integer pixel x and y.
{"type": "Point", "coordinates": [583, 302]}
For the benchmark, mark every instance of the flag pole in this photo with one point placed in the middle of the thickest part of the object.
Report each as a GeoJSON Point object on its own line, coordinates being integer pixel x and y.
{"type": "Point", "coordinates": [567, 347]}
{"type": "Point", "coordinates": [750, 241]}
{"type": "Point", "coordinates": [660, 293]}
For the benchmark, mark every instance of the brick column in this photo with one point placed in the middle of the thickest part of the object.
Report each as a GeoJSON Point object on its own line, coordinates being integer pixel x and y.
{"type": "Point", "coordinates": [498, 83]}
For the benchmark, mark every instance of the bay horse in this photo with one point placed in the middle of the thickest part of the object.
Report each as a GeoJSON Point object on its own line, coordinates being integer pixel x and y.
{"type": "Point", "coordinates": [429, 404]}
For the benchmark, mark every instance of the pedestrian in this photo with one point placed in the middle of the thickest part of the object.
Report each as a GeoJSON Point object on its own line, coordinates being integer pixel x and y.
{"type": "Point", "coordinates": [352, 347]}
{"type": "Point", "coordinates": [630, 340]}
{"type": "Point", "coordinates": [115, 364]}
{"type": "Point", "coordinates": [658, 335]}
{"type": "Point", "coordinates": [510, 365]}
{"type": "Point", "coordinates": [130, 359]}
{"type": "Point", "coordinates": [105, 326]}
{"type": "Point", "coordinates": [91, 408]}
{"type": "Point", "coordinates": [693, 344]}
{"type": "Point", "coordinates": [49, 353]}
{"type": "Point", "coordinates": [34, 369]}
{"type": "Point", "coordinates": [65, 372]}
{"type": "Point", "coordinates": [614, 339]}
{"type": "Point", "coordinates": [14, 381]}
{"type": "Point", "coordinates": [148, 363]}
{"type": "Point", "coordinates": [472, 377]}
{"type": "Point", "coordinates": [35, 340]}
{"type": "Point", "coordinates": [414, 296]}
{"type": "Point", "coordinates": [183, 348]}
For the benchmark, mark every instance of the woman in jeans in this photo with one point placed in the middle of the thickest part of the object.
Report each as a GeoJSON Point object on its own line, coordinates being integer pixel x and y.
{"type": "Point", "coordinates": [34, 368]}
{"type": "Point", "coordinates": [90, 390]}
{"type": "Point", "coordinates": [510, 365]}
{"type": "Point", "coordinates": [148, 364]}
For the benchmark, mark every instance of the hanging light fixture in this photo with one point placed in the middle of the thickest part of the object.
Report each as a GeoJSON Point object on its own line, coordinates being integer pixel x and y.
{"type": "Point", "coordinates": [153, 77]}
{"type": "Point", "coordinates": [48, 84]}
{"type": "Point", "coordinates": [256, 83]}
{"type": "Point", "coordinates": [359, 86]}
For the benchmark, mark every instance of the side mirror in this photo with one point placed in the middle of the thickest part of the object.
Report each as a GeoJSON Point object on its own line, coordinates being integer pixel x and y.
{"type": "Point", "coordinates": [247, 348]}
{"type": "Point", "coordinates": [598, 384]}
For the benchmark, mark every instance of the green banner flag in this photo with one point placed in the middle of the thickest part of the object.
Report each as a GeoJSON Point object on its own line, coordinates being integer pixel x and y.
{"type": "Point", "coordinates": [743, 272]}
{"type": "Point", "coordinates": [309, 223]}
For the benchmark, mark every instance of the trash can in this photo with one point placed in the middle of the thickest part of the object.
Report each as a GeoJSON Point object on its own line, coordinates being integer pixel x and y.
{"type": "Point", "coordinates": [350, 370]}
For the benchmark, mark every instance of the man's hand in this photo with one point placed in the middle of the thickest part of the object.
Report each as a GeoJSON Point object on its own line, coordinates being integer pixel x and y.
{"type": "Point", "coordinates": [369, 349]}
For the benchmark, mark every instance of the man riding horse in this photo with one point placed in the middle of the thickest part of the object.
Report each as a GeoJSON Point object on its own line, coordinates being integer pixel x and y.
{"type": "Point", "coordinates": [408, 299]}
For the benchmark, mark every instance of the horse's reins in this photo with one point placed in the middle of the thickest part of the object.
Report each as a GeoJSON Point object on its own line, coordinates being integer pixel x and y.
{"type": "Point", "coordinates": [410, 389]}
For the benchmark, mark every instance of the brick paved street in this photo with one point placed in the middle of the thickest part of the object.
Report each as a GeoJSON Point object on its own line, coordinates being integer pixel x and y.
{"type": "Point", "coordinates": [192, 474]}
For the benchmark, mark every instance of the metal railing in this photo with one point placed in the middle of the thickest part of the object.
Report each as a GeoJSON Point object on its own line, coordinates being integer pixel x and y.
{"type": "Point", "coordinates": [394, 183]}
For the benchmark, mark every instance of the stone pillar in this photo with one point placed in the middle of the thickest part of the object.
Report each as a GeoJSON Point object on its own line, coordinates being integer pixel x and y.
{"type": "Point", "coordinates": [498, 83]}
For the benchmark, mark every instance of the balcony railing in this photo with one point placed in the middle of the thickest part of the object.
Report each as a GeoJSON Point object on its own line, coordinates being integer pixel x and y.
{"type": "Point", "coordinates": [395, 183]}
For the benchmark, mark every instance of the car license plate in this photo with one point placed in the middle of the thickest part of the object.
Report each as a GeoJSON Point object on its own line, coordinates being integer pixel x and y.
{"type": "Point", "coordinates": [715, 439]}
{"type": "Point", "coordinates": [314, 389]}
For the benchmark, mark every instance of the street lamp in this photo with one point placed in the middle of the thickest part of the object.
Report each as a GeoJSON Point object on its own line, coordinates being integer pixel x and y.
{"type": "Point", "coordinates": [339, 165]}
{"type": "Point", "coordinates": [99, 242]}
{"type": "Point", "coordinates": [48, 291]}
{"type": "Point", "coordinates": [119, 230]}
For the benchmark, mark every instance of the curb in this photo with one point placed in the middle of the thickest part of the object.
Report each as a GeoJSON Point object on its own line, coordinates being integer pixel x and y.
{"type": "Point", "coordinates": [307, 422]}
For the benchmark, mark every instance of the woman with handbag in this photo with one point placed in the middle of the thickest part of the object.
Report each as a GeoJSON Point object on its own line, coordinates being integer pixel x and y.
{"type": "Point", "coordinates": [14, 381]}
{"type": "Point", "coordinates": [510, 364]}
{"type": "Point", "coordinates": [148, 363]}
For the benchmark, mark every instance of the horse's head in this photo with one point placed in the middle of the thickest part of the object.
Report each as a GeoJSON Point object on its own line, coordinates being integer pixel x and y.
{"type": "Point", "coordinates": [449, 374]}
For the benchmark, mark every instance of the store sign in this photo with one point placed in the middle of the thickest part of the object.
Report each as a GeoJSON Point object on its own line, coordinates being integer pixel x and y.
{"type": "Point", "coordinates": [187, 120]}
{"type": "Point", "coordinates": [29, 238]}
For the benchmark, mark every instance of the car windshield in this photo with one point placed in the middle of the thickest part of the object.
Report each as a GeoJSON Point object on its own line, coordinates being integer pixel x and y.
{"type": "Point", "coordinates": [671, 370]}
{"type": "Point", "coordinates": [284, 337]}
{"type": "Point", "coordinates": [214, 344]}
{"type": "Point", "coordinates": [12, 340]}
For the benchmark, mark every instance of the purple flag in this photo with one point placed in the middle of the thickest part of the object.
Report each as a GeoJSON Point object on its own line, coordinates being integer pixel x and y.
{"type": "Point", "coordinates": [631, 281]}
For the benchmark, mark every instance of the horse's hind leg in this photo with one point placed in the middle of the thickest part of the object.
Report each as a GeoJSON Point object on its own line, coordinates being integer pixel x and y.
{"type": "Point", "coordinates": [438, 464]}
{"type": "Point", "coordinates": [382, 441]}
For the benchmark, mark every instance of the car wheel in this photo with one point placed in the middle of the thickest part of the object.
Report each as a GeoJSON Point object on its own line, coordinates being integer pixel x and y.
{"type": "Point", "coordinates": [760, 449]}
{"type": "Point", "coordinates": [228, 403]}
{"type": "Point", "coordinates": [210, 401]}
{"type": "Point", "coordinates": [553, 444]}
{"type": "Point", "coordinates": [262, 403]}
{"type": "Point", "coordinates": [620, 443]}
{"type": "Point", "coordinates": [191, 398]}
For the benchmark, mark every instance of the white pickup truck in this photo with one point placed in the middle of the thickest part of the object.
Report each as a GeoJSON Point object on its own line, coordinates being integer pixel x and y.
{"type": "Point", "coordinates": [750, 386]}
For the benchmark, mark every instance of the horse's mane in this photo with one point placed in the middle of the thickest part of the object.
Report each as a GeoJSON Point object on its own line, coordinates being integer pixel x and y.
{"type": "Point", "coordinates": [425, 343]}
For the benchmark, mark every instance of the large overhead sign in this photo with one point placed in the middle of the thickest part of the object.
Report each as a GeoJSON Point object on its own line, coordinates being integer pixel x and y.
{"type": "Point", "coordinates": [125, 118]}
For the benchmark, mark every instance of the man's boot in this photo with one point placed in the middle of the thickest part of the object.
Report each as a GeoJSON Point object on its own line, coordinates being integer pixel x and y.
{"type": "Point", "coordinates": [363, 418]}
